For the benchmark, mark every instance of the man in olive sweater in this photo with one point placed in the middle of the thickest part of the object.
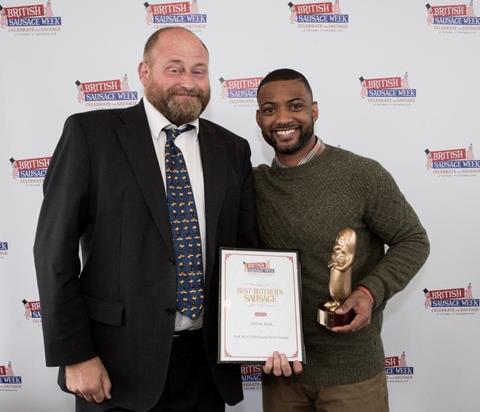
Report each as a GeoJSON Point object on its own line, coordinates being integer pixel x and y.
{"type": "Point", "coordinates": [309, 193]}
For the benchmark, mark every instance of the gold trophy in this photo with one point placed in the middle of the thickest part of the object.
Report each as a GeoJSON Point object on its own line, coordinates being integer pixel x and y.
{"type": "Point", "coordinates": [340, 285]}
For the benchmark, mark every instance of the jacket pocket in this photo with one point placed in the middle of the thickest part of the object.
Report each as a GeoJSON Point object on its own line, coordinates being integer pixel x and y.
{"type": "Point", "coordinates": [110, 313]}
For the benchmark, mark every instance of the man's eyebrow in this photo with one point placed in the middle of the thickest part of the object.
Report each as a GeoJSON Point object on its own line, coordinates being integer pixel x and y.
{"type": "Point", "coordinates": [288, 101]}
{"type": "Point", "coordinates": [178, 61]}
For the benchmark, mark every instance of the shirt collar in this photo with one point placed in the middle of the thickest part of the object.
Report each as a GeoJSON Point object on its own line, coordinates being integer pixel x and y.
{"type": "Point", "coordinates": [309, 156]}
{"type": "Point", "coordinates": [157, 121]}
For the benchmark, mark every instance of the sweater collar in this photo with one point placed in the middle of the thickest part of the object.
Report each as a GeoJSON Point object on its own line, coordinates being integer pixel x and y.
{"type": "Point", "coordinates": [301, 169]}
{"type": "Point", "coordinates": [309, 156]}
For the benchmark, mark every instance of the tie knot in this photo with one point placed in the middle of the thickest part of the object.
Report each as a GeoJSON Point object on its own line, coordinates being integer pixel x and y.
{"type": "Point", "coordinates": [173, 132]}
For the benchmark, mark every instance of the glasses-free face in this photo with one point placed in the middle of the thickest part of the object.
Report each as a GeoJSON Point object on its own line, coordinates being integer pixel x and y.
{"type": "Point", "coordinates": [175, 76]}
{"type": "Point", "coordinates": [286, 115]}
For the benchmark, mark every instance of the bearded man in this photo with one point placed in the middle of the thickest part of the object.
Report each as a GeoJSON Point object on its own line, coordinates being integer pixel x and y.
{"type": "Point", "coordinates": [150, 193]}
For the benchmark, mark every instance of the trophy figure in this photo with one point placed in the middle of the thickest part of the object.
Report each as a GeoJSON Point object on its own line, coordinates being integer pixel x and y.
{"type": "Point", "coordinates": [340, 285]}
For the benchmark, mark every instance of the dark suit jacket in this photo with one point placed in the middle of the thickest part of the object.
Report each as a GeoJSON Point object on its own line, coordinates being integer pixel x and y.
{"type": "Point", "coordinates": [104, 189]}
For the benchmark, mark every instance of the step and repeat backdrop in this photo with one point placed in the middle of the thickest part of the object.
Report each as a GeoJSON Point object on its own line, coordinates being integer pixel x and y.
{"type": "Point", "coordinates": [397, 81]}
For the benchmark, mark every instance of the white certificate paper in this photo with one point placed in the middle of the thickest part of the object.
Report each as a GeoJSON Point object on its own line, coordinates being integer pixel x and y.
{"type": "Point", "coordinates": [259, 305]}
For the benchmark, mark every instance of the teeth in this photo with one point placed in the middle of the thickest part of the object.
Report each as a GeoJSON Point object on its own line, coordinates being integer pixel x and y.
{"type": "Point", "coordinates": [284, 132]}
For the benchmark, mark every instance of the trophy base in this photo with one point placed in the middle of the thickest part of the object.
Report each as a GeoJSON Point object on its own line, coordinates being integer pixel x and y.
{"type": "Point", "coordinates": [331, 319]}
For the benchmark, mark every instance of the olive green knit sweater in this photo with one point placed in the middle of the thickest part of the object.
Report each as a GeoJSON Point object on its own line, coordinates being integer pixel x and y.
{"type": "Point", "coordinates": [304, 208]}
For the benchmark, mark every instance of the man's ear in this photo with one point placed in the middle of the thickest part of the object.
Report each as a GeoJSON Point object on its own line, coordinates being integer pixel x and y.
{"type": "Point", "coordinates": [314, 111]}
{"type": "Point", "coordinates": [143, 72]}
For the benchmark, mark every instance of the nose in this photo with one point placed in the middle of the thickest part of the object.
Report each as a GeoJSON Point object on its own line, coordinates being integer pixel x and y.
{"type": "Point", "coordinates": [187, 80]}
{"type": "Point", "coordinates": [283, 116]}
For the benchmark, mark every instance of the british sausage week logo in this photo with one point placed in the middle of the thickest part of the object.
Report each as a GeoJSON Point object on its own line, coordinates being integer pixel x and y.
{"type": "Point", "coordinates": [258, 267]}
{"type": "Point", "coordinates": [32, 310]}
{"type": "Point", "coordinates": [184, 13]}
{"type": "Point", "coordinates": [387, 90]}
{"type": "Point", "coordinates": [397, 370]}
{"type": "Point", "coordinates": [30, 171]}
{"type": "Point", "coordinates": [106, 93]}
{"type": "Point", "coordinates": [3, 250]}
{"type": "Point", "coordinates": [8, 380]}
{"type": "Point", "coordinates": [251, 376]}
{"type": "Point", "coordinates": [457, 301]}
{"type": "Point", "coordinates": [325, 16]}
{"type": "Point", "coordinates": [453, 17]}
{"type": "Point", "coordinates": [30, 19]}
{"type": "Point", "coordinates": [452, 162]}
{"type": "Point", "coordinates": [240, 91]}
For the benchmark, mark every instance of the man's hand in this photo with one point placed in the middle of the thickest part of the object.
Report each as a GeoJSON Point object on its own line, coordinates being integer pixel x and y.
{"type": "Point", "coordinates": [362, 306]}
{"type": "Point", "coordinates": [279, 365]}
{"type": "Point", "coordinates": [89, 380]}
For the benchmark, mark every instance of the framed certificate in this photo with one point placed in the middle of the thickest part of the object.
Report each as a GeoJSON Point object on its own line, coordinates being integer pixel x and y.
{"type": "Point", "coordinates": [260, 308]}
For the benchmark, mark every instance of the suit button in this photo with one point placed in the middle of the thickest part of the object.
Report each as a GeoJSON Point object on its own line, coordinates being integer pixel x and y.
{"type": "Point", "coordinates": [172, 261]}
{"type": "Point", "coordinates": [170, 311]}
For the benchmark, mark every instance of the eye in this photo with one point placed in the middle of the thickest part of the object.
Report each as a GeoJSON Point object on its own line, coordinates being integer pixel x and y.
{"type": "Point", "coordinates": [199, 72]}
{"type": "Point", "coordinates": [296, 106]}
{"type": "Point", "coordinates": [267, 110]}
{"type": "Point", "coordinates": [174, 69]}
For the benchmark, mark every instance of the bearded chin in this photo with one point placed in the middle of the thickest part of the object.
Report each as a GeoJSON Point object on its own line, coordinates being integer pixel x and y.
{"type": "Point", "coordinates": [177, 112]}
{"type": "Point", "coordinates": [305, 136]}
{"type": "Point", "coordinates": [181, 113]}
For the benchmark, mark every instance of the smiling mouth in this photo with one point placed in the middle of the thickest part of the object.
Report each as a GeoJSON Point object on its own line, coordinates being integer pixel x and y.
{"type": "Point", "coordinates": [285, 133]}
{"type": "Point", "coordinates": [191, 96]}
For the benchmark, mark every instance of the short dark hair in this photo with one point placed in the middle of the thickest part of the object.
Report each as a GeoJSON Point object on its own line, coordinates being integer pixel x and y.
{"type": "Point", "coordinates": [285, 74]}
{"type": "Point", "coordinates": [156, 34]}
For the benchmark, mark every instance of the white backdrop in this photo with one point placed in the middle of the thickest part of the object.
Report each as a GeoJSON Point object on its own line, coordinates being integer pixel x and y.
{"type": "Point", "coordinates": [419, 119]}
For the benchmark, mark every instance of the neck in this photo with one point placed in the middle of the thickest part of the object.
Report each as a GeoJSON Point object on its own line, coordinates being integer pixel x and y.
{"type": "Point", "coordinates": [292, 159]}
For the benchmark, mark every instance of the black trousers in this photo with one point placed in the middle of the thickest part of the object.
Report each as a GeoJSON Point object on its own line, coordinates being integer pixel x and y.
{"type": "Point", "coordinates": [189, 386]}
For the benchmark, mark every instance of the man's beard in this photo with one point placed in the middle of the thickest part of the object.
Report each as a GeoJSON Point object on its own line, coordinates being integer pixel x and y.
{"type": "Point", "coordinates": [304, 137]}
{"type": "Point", "coordinates": [176, 112]}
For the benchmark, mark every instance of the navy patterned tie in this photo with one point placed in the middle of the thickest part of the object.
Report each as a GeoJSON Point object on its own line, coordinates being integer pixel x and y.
{"type": "Point", "coordinates": [185, 228]}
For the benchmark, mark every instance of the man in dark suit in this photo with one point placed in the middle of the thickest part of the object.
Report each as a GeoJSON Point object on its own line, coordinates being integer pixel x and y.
{"type": "Point", "coordinates": [150, 192]}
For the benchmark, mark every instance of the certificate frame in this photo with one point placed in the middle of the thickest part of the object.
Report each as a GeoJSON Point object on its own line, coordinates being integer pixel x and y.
{"type": "Point", "coordinates": [259, 305]}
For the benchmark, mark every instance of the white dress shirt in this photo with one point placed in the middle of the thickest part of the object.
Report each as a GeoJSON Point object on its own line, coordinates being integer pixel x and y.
{"type": "Point", "coordinates": [187, 142]}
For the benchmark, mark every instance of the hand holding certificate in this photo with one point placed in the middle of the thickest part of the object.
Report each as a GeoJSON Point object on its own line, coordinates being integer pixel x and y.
{"type": "Point", "coordinates": [259, 306]}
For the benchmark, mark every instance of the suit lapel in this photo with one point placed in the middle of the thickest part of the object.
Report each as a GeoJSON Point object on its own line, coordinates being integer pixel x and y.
{"type": "Point", "coordinates": [214, 177]}
{"type": "Point", "coordinates": [136, 139]}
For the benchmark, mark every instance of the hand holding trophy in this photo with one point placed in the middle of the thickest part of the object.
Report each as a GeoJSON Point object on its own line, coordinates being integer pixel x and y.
{"type": "Point", "coordinates": [340, 285]}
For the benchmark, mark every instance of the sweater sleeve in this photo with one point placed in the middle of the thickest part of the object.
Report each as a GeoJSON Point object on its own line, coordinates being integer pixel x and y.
{"type": "Point", "coordinates": [390, 216]}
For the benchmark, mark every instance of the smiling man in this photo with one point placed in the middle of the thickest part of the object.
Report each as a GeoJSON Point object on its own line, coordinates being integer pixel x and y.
{"type": "Point", "coordinates": [150, 192]}
{"type": "Point", "coordinates": [304, 199]}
